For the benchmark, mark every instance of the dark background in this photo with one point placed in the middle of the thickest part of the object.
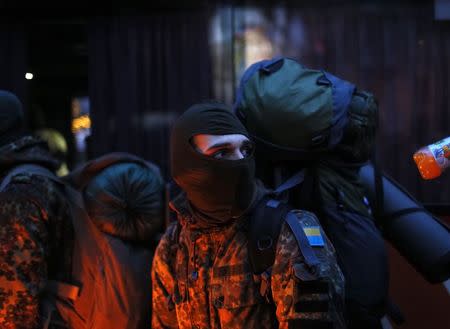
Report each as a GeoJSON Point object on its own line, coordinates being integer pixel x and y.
{"type": "Point", "coordinates": [142, 64]}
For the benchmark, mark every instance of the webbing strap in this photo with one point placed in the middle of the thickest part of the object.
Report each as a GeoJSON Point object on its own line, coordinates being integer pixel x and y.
{"type": "Point", "coordinates": [62, 289]}
{"type": "Point", "coordinates": [308, 253]}
{"type": "Point", "coordinates": [291, 182]}
{"type": "Point", "coordinates": [265, 224]}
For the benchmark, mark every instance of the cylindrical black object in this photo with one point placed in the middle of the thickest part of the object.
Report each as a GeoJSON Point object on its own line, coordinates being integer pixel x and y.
{"type": "Point", "coordinates": [419, 236]}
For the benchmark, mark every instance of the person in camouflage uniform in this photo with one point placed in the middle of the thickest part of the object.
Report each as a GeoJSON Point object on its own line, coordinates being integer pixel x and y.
{"type": "Point", "coordinates": [33, 214]}
{"type": "Point", "coordinates": [201, 274]}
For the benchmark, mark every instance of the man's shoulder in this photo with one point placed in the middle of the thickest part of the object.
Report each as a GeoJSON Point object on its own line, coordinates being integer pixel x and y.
{"type": "Point", "coordinates": [306, 224]}
{"type": "Point", "coordinates": [168, 242]}
{"type": "Point", "coordinates": [33, 185]}
{"type": "Point", "coordinates": [33, 196]}
{"type": "Point", "coordinates": [305, 218]}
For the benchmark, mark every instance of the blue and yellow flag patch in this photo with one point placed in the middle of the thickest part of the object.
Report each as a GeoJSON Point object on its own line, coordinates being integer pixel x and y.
{"type": "Point", "coordinates": [314, 236]}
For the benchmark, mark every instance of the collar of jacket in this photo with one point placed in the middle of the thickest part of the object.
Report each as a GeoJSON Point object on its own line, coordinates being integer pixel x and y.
{"type": "Point", "coordinates": [187, 217]}
{"type": "Point", "coordinates": [27, 149]}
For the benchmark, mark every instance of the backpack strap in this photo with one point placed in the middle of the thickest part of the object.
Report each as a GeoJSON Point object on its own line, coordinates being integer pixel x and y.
{"type": "Point", "coordinates": [265, 227]}
{"type": "Point", "coordinates": [293, 181]}
{"type": "Point", "coordinates": [302, 240]}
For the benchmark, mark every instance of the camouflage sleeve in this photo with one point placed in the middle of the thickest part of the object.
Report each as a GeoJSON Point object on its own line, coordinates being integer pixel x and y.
{"type": "Point", "coordinates": [23, 269]}
{"type": "Point", "coordinates": [297, 293]}
{"type": "Point", "coordinates": [163, 280]}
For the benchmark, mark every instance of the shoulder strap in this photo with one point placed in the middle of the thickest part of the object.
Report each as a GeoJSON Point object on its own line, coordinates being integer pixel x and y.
{"type": "Point", "coordinates": [302, 240]}
{"type": "Point", "coordinates": [25, 169]}
{"type": "Point", "coordinates": [293, 181]}
{"type": "Point", "coordinates": [265, 226]}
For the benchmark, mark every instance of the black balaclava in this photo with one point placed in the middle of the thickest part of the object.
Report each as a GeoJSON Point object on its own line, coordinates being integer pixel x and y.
{"type": "Point", "coordinates": [218, 190]}
{"type": "Point", "coordinates": [11, 117]}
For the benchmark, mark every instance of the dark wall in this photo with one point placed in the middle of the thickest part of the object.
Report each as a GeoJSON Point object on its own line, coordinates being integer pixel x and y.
{"type": "Point", "coordinates": [396, 50]}
{"type": "Point", "coordinates": [58, 59]}
{"type": "Point", "coordinates": [401, 54]}
{"type": "Point", "coordinates": [13, 58]}
{"type": "Point", "coordinates": [143, 71]}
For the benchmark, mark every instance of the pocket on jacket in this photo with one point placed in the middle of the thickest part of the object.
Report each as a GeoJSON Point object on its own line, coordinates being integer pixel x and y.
{"type": "Point", "coordinates": [234, 287]}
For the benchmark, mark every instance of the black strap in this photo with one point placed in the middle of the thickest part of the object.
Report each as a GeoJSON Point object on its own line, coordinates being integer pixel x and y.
{"type": "Point", "coordinates": [309, 196]}
{"type": "Point", "coordinates": [265, 226]}
{"type": "Point", "coordinates": [293, 181]}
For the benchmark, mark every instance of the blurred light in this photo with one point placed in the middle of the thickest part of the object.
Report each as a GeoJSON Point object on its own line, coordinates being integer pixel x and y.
{"type": "Point", "coordinates": [82, 122]}
{"type": "Point", "coordinates": [28, 76]}
{"type": "Point", "coordinates": [257, 45]}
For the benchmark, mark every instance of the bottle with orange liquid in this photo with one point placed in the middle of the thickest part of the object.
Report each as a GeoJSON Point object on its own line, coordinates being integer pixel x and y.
{"type": "Point", "coordinates": [433, 159]}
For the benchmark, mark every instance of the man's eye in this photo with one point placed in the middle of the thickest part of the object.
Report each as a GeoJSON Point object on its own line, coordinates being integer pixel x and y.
{"type": "Point", "coordinates": [220, 154]}
{"type": "Point", "coordinates": [247, 150]}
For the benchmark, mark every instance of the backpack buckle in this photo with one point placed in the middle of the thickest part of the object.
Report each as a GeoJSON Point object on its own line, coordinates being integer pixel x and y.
{"type": "Point", "coordinates": [323, 81]}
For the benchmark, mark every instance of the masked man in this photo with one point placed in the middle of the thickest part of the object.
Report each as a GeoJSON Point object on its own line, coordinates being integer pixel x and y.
{"type": "Point", "coordinates": [203, 274]}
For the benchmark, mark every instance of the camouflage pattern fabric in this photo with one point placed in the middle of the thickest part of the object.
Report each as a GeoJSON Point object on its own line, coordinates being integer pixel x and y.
{"type": "Point", "coordinates": [33, 229]}
{"type": "Point", "coordinates": [203, 279]}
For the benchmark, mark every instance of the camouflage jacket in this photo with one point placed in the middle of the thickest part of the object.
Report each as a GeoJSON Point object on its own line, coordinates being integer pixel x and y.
{"type": "Point", "coordinates": [203, 279]}
{"type": "Point", "coordinates": [33, 228]}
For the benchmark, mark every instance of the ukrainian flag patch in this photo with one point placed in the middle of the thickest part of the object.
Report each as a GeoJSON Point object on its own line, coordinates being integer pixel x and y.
{"type": "Point", "coordinates": [314, 236]}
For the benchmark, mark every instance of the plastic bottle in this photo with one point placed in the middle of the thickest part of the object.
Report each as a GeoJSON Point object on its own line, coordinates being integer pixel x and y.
{"type": "Point", "coordinates": [433, 159]}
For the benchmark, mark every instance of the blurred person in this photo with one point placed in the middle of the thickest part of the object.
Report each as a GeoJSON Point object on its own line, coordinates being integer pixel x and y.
{"type": "Point", "coordinates": [33, 214]}
{"type": "Point", "coordinates": [57, 146]}
{"type": "Point", "coordinates": [40, 249]}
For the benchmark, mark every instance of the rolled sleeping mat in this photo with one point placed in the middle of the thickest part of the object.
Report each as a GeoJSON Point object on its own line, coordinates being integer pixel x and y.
{"type": "Point", "coordinates": [419, 236]}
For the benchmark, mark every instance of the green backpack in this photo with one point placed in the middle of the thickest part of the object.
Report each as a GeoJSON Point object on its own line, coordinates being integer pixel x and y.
{"type": "Point", "coordinates": [289, 107]}
{"type": "Point", "coordinates": [311, 121]}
